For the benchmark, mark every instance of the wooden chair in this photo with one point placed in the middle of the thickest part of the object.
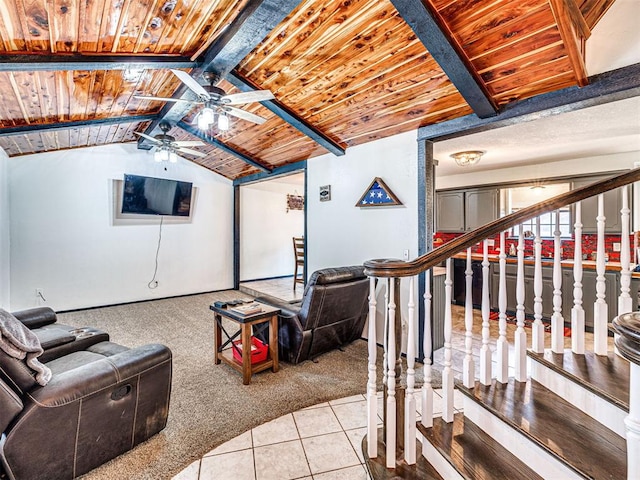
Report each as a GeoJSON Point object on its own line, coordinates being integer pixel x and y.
{"type": "Point", "coordinates": [298, 253]}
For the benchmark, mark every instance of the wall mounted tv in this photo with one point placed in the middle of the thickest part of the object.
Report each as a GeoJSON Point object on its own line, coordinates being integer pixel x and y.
{"type": "Point", "coordinates": [156, 196]}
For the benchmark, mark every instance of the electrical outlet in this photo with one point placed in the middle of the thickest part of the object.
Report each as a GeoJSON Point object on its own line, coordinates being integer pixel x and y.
{"type": "Point", "coordinates": [405, 255]}
{"type": "Point", "coordinates": [616, 247]}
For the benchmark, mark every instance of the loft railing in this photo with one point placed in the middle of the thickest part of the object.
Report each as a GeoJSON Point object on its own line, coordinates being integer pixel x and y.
{"type": "Point", "coordinates": [400, 420]}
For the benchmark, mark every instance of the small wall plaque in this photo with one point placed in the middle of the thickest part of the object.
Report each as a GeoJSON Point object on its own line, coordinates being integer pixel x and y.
{"type": "Point", "coordinates": [325, 193]}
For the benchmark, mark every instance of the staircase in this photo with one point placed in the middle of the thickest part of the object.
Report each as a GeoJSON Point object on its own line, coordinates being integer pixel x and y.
{"type": "Point", "coordinates": [534, 405]}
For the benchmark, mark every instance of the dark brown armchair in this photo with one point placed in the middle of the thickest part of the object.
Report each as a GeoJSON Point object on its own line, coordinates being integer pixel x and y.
{"type": "Point", "coordinates": [332, 313]}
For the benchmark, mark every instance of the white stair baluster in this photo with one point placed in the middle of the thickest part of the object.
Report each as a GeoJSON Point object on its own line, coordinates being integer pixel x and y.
{"type": "Point", "coordinates": [520, 335]}
{"type": "Point", "coordinates": [625, 302]}
{"type": "Point", "coordinates": [577, 312]}
{"type": "Point", "coordinates": [385, 335]}
{"type": "Point", "coordinates": [485, 351]}
{"type": "Point", "coordinates": [409, 398]}
{"type": "Point", "coordinates": [468, 373]}
{"type": "Point", "coordinates": [390, 420]}
{"type": "Point", "coordinates": [427, 346]}
{"type": "Point", "coordinates": [447, 373]}
{"type": "Point", "coordinates": [537, 334]}
{"type": "Point", "coordinates": [600, 307]}
{"type": "Point", "coordinates": [372, 396]}
{"type": "Point", "coordinates": [502, 375]}
{"type": "Point", "coordinates": [557, 322]}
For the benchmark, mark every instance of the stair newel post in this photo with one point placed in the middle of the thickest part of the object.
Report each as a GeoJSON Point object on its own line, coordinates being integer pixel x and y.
{"type": "Point", "coordinates": [409, 397]}
{"type": "Point", "coordinates": [502, 345]}
{"type": "Point", "coordinates": [600, 307]}
{"type": "Point", "coordinates": [537, 334]}
{"type": "Point", "coordinates": [557, 322]}
{"type": "Point", "coordinates": [372, 397]}
{"type": "Point", "coordinates": [577, 312]}
{"type": "Point", "coordinates": [485, 351]}
{"type": "Point", "coordinates": [468, 374]}
{"type": "Point", "coordinates": [390, 413]}
{"type": "Point", "coordinates": [520, 335]}
{"type": "Point", "coordinates": [427, 346]}
{"type": "Point", "coordinates": [625, 302]}
{"type": "Point", "coordinates": [447, 373]}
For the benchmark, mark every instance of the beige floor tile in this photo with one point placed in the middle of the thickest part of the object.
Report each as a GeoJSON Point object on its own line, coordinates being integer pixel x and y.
{"type": "Point", "coordinates": [353, 398]}
{"type": "Point", "coordinates": [281, 429]}
{"type": "Point", "coordinates": [237, 465]}
{"type": "Point", "coordinates": [355, 436]}
{"type": "Point", "coordinates": [281, 461]}
{"type": "Point", "coordinates": [357, 472]}
{"type": "Point", "coordinates": [317, 421]}
{"type": "Point", "coordinates": [351, 415]}
{"type": "Point", "coordinates": [241, 442]}
{"type": "Point", "coordinates": [329, 452]}
{"type": "Point", "coordinates": [319, 405]}
{"type": "Point", "coordinates": [190, 473]}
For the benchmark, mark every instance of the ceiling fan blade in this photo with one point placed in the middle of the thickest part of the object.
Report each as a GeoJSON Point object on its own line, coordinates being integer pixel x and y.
{"type": "Point", "coordinates": [187, 143]}
{"type": "Point", "coordinates": [149, 137]}
{"type": "Point", "coordinates": [162, 99]}
{"type": "Point", "coordinates": [247, 97]}
{"type": "Point", "coordinates": [191, 152]}
{"type": "Point", "coordinates": [191, 82]}
{"type": "Point", "coordinates": [251, 117]}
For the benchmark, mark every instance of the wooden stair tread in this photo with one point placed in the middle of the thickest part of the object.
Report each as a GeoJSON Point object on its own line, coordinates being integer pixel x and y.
{"type": "Point", "coordinates": [472, 452]}
{"type": "Point", "coordinates": [606, 376]}
{"type": "Point", "coordinates": [561, 429]}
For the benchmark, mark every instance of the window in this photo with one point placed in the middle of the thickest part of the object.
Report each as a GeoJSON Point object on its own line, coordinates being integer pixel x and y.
{"type": "Point", "coordinates": [547, 224]}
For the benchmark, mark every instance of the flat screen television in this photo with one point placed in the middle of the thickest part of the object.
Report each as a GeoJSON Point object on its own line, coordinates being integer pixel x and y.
{"type": "Point", "coordinates": [156, 196]}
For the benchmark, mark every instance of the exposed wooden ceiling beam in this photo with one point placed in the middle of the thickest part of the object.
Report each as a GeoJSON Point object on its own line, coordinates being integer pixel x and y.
{"type": "Point", "coordinates": [442, 48]}
{"type": "Point", "coordinates": [22, 63]}
{"type": "Point", "coordinates": [251, 26]}
{"type": "Point", "coordinates": [602, 88]}
{"type": "Point", "coordinates": [574, 32]}
{"type": "Point", "coordinates": [287, 169]}
{"type": "Point", "coordinates": [96, 122]}
{"type": "Point", "coordinates": [288, 115]}
{"type": "Point", "coordinates": [196, 132]}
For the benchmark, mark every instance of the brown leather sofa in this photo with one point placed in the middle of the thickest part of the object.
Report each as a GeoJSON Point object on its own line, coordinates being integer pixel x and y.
{"type": "Point", "coordinates": [332, 313]}
{"type": "Point", "coordinates": [100, 402]}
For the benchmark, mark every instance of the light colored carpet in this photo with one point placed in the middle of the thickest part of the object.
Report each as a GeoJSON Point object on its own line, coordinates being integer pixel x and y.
{"type": "Point", "coordinates": [209, 403]}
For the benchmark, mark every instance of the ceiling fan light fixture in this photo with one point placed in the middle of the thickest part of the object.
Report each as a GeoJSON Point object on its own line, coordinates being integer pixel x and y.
{"type": "Point", "coordinates": [173, 158]}
{"type": "Point", "coordinates": [207, 115]}
{"type": "Point", "coordinates": [203, 124]}
{"type": "Point", "coordinates": [470, 157]}
{"type": "Point", "coordinates": [223, 122]}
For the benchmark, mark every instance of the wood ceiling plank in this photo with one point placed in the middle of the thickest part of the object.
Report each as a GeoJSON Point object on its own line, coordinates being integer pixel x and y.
{"type": "Point", "coordinates": [108, 25]}
{"type": "Point", "coordinates": [545, 85]}
{"type": "Point", "coordinates": [64, 83]}
{"type": "Point", "coordinates": [11, 108]}
{"type": "Point", "coordinates": [45, 86]}
{"type": "Point", "coordinates": [119, 29]}
{"type": "Point", "coordinates": [594, 10]}
{"type": "Point", "coordinates": [90, 26]}
{"type": "Point", "coordinates": [64, 22]}
{"type": "Point", "coordinates": [22, 85]}
{"type": "Point", "coordinates": [573, 36]}
{"type": "Point", "coordinates": [11, 32]}
{"type": "Point", "coordinates": [33, 19]}
{"type": "Point", "coordinates": [166, 15]}
{"type": "Point", "coordinates": [74, 137]}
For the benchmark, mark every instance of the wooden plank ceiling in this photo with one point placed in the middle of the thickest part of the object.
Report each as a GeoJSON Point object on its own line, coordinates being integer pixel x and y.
{"type": "Point", "coordinates": [352, 69]}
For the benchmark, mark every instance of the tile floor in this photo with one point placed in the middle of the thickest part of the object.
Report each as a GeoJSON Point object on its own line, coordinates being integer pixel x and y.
{"type": "Point", "coordinates": [322, 442]}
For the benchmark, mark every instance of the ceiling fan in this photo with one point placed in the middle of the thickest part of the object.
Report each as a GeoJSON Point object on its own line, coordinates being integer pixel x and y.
{"type": "Point", "coordinates": [216, 101]}
{"type": "Point", "coordinates": [168, 147]}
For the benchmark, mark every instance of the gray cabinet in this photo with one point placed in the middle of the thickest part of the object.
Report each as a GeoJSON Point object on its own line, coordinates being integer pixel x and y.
{"type": "Point", "coordinates": [460, 210]}
{"type": "Point", "coordinates": [612, 207]}
{"type": "Point", "coordinates": [450, 211]}
{"type": "Point", "coordinates": [511, 275]}
{"type": "Point", "coordinates": [589, 294]}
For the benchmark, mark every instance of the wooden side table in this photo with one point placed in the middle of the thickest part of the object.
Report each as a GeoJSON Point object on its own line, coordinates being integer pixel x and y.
{"type": "Point", "coordinates": [246, 322]}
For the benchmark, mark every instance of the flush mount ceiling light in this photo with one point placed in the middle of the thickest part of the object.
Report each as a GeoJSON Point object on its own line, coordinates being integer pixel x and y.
{"type": "Point", "coordinates": [470, 157]}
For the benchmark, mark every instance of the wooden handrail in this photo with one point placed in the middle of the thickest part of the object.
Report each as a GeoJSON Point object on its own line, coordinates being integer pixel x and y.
{"type": "Point", "coordinates": [399, 268]}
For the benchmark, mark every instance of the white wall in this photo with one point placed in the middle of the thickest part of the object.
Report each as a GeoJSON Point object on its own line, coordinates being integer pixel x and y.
{"type": "Point", "coordinates": [339, 233]}
{"type": "Point", "coordinates": [64, 239]}
{"type": "Point", "coordinates": [4, 232]}
{"type": "Point", "coordinates": [266, 228]}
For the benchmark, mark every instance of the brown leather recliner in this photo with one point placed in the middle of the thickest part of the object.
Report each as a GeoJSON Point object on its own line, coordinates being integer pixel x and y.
{"type": "Point", "coordinates": [99, 403]}
{"type": "Point", "coordinates": [332, 313]}
{"type": "Point", "coordinates": [55, 338]}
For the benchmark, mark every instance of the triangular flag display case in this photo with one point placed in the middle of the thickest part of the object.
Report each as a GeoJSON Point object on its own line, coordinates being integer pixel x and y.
{"type": "Point", "coordinates": [378, 194]}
